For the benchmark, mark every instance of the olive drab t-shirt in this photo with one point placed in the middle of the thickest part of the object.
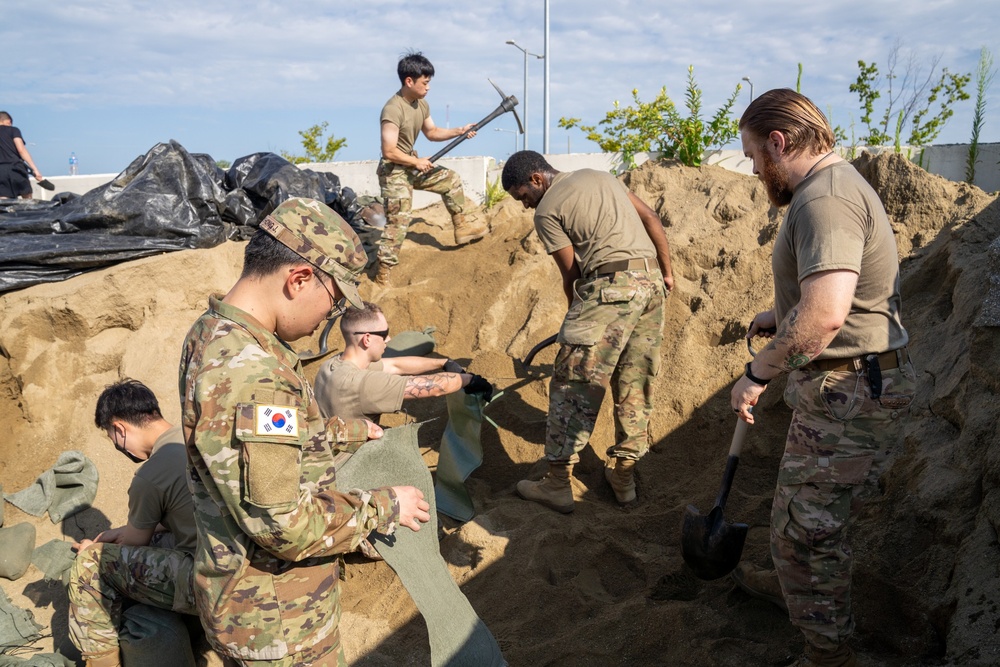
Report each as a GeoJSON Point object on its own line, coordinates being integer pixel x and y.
{"type": "Point", "coordinates": [159, 492]}
{"type": "Point", "coordinates": [591, 211]}
{"type": "Point", "coordinates": [346, 391]}
{"type": "Point", "coordinates": [408, 117]}
{"type": "Point", "coordinates": [836, 221]}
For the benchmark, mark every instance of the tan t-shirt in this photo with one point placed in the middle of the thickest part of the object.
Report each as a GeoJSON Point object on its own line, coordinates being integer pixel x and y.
{"type": "Point", "coordinates": [408, 117]}
{"type": "Point", "coordinates": [591, 211]}
{"type": "Point", "coordinates": [344, 390]}
{"type": "Point", "coordinates": [159, 492]}
{"type": "Point", "coordinates": [836, 221]}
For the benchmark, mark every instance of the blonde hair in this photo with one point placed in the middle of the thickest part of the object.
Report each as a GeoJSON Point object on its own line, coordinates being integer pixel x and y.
{"type": "Point", "coordinates": [792, 114]}
{"type": "Point", "coordinates": [355, 318]}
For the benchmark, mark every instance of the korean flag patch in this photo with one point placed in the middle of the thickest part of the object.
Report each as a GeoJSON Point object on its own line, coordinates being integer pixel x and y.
{"type": "Point", "coordinates": [276, 420]}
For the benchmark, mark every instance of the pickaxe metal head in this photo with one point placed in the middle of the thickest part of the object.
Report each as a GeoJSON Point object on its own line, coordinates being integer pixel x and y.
{"type": "Point", "coordinates": [512, 102]}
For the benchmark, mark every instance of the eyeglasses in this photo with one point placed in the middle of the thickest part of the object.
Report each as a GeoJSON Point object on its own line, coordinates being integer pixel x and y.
{"type": "Point", "coordinates": [381, 334]}
{"type": "Point", "coordinates": [337, 308]}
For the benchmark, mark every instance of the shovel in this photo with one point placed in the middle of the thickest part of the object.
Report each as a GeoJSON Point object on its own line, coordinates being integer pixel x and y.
{"type": "Point", "coordinates": [711, 546]}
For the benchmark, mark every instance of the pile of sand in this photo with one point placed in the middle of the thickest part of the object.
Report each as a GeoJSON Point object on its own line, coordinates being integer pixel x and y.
{"type": "Point", "coordinates": [604, 586]}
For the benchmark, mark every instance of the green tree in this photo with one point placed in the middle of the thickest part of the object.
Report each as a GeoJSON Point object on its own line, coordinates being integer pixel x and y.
{"type": "Point", "coordinates": [657, 125]}
{"type": "Point", "coordinates": [910, 98]}
{"type": "Point", "coordinates": [984, 79]}
{"type": "Point", "coordinates": [311, 140]}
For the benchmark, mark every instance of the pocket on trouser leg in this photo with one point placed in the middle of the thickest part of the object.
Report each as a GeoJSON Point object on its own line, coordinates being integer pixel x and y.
{"type": "Point", "coordinates": [814, 493]}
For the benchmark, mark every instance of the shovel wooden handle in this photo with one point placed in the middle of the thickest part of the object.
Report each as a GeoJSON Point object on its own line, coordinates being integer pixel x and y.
{"type": "Point", "coordinates": [739, 435]}
{"type": "Point", "coordinates": [732, 462]}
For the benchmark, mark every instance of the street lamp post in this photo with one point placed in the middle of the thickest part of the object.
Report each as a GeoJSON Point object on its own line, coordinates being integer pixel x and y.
{"type": "Point", "coordinates": [523, 50]}
{"type": "Point", "coordinates": [503, 129]}
{"type": "Point", "coordinates": [747, 79]}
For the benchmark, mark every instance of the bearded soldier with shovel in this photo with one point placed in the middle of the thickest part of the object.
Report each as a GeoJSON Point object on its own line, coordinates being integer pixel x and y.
{"type": "Point", "coordinates": [840, 339]}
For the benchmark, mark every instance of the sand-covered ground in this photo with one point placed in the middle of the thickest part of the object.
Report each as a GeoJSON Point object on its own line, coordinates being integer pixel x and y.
{"type": "Point", "coordinates": [605, 585]}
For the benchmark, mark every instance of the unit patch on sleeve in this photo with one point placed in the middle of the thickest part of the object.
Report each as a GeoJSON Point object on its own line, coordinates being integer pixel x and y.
{"type": "Point", "coordinates": [276, 420]}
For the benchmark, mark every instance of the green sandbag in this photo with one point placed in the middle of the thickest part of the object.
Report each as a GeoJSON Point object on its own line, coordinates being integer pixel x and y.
{"type": "Point", "coordinates": [411, 344]}
{"type": "Point", "coordinates": [54, 559]}
{"type": "Point", "coordinates": [17, 626]}
{"type": "Point", "coordinates": [461, 452]}
{"type": "Point", "coordinates": [37, 660]}
{"type": "Point", "coordinates": [152, 637]}
{"type": "Point", "coordinates": [63, 490]}
{"type": "Point", "coordinates": [457, 636]}
{"type": "Point", "coordinates": [16, 545]}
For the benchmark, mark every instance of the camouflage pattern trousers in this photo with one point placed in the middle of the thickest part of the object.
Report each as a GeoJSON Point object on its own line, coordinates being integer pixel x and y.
{"type": "Point", "coordinates": [104, 574]}
{"type": "Point", "coordinates": [611, 336]}
{"type": "Point", "coordinates": [397, 183]}
{"type": "Point", "coordinates": [838, 445]}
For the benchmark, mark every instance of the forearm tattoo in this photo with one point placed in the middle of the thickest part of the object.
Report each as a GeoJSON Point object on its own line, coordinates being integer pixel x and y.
{"type": "Point", "coordinates": [800, 347]}
{"type": "Point", "coordinates": [424, 386]}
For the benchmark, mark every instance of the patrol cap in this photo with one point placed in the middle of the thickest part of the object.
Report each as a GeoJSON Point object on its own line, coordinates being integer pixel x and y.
{"type": "Point", "coordinates": [320, 236]}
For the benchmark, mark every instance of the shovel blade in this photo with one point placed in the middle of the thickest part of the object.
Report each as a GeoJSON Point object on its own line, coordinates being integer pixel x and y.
{"type": "Point", "coordinates": [711, 547]}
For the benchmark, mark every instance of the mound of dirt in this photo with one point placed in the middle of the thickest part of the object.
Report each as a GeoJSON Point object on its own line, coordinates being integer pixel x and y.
{"type": "Point", "coordinates": [604, 586]}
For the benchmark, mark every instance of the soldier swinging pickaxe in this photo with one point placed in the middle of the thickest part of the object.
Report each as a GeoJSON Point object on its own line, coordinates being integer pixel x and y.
{"type": "Point", "coordinates": [508, 104]}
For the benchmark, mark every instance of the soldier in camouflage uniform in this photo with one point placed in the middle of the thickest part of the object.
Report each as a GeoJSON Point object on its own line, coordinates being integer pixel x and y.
{"type": "Point", "coordinates": [400, 170]}
{"type": "Point", "coordinates": [840, 338]}
{"type": "Point", "coordinates": [272, 525]}
{"type": "Point", "coordinates": [615, 262]}
{"type": "Point", "coordinates": [126, 562]}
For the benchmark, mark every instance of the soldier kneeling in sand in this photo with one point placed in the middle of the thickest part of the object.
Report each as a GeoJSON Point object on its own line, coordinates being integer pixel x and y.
{"type": "Point", "coordinates": [121, 563]}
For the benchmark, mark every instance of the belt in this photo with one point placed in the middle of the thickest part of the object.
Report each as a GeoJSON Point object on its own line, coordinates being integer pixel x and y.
{"type": "Point", "coordinates": [886, 361]}
{"type": "Point", "coordinates": [644, 264]}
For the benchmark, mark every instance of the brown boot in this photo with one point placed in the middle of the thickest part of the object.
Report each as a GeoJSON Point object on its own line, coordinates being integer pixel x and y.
{"type": "Point", "coordinates": [106, 660]}
{"type": "Point", "coordinates": [842, 656]}
{"type": "Point", "coordinates": [760, 583]}
{"type": "Point", "coordinates": [382, 277]}
{"type": "Point", "coordinates": [621, 475]}
{"type": "Point", "coordinates": [468, 230]}
{"type": "Point", "coordinates": [553, 490]}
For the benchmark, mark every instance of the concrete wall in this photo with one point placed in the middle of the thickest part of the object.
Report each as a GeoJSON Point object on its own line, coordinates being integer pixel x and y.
{"type": "Point", "coordinates": [947, 160]}
{"type": "Point", "coordinates": [361, 177]}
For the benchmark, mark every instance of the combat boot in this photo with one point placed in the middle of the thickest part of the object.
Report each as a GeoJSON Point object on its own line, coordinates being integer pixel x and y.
{"type": "Point", "coordinates": [468, 230]}
{"type": "Point", "coordinates": [760, 583]}
{"type": "Point", "coordinates": [554, 490]}
{"type": "Point", "coordinates": [106, 660]}
{"type": "Point", "coordinates": [620, 473]}
{"type": "Point", "coordinates": [842, 656]}
{"type": "Point", "coordinates": [382, 277]}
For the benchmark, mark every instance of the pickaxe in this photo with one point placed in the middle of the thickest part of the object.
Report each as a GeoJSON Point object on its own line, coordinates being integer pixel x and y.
{"type": "Point", "coordinates": [508, 104]}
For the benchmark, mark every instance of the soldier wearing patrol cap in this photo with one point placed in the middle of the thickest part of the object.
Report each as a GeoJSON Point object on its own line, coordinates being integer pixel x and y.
{"type": "Point", "coordinates": [271, 523]}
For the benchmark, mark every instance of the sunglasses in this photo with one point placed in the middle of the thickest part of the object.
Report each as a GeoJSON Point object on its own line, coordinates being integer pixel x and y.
{"type": "Point", "coordinates": [381, 334]}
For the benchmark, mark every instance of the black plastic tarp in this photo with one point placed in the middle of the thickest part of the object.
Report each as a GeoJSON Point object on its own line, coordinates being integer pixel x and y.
{"type": "Point", "coordinates": [167, 199]}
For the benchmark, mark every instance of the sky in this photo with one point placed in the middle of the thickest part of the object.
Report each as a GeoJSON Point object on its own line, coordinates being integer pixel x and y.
{"type": "Point", "coordinates": [109, 79]}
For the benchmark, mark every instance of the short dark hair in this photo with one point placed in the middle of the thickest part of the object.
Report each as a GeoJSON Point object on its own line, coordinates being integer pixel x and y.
{"type": "Point", "coordinates": [794, 115]}
{"type": "Point", "coordinates": [5, 116]}
{"type": "Point", "coordinates": [130, 401]}
{"type": "Point", "coordinates": [353, 317]}
{"type": "Point", "coordinates": [414, 65]}
{"type": "Point", "coordinates": [520, 166]}
{"type": "Point", "coordinates": [265, 254]}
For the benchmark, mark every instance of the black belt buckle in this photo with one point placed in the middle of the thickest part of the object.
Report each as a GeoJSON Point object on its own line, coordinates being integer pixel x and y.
{"type": "Point", "coordinates": [874, 372]}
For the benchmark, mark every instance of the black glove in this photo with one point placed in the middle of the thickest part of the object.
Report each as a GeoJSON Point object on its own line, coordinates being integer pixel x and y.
{"type": "Point", "coordinates": [453, 367]}
{"type": "Point", "coordinates": [481, 386]}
